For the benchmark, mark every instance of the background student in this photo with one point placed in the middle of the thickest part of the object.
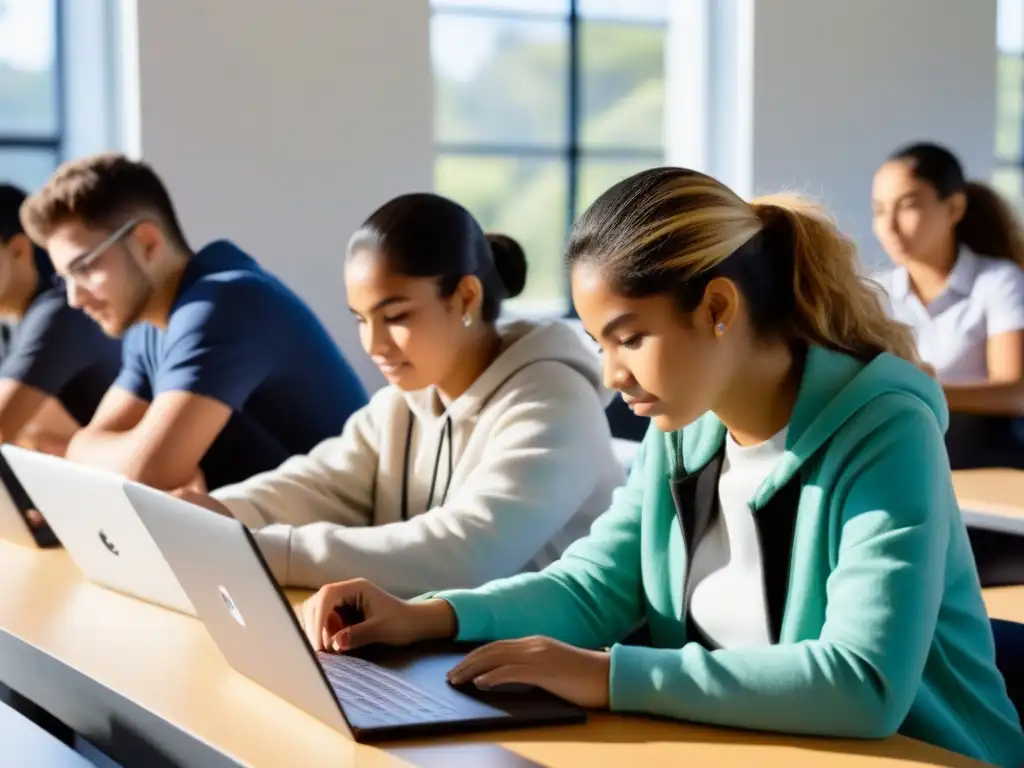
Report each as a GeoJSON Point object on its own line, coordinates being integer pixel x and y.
{"type": "Point", "coordinates": [789, 532]}
{"type": "Point", "coordinates": [58, 364]}
{"type": "Point", "coordinates": [958, 249]}
{"type": "Point", "coordinates": [487, 454]}
{"type": "Point", "coordinates": [225, 370]}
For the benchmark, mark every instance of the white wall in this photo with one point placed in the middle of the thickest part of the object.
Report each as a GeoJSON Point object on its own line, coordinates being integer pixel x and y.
{"type": "Point", "coordinates": [282, 125]}
{"type": "Point", "coordinates": [813, 94]}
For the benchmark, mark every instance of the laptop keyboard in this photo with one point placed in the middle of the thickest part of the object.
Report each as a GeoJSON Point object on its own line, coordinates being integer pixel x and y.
{"type": "Point", "coordinates": [379, 697]}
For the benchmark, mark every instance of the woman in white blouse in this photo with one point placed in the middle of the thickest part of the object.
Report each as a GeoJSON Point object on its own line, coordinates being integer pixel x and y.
{"type": "Point", "coordinates": [958, 282]}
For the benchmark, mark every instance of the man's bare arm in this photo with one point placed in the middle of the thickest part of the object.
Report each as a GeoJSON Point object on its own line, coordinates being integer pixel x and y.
{"type": "Point", "coordinates": [162, 447]}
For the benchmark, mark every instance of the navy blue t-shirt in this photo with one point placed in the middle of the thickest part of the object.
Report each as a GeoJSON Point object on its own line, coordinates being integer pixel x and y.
{"type": "Point", "coordinates": [238, 335]}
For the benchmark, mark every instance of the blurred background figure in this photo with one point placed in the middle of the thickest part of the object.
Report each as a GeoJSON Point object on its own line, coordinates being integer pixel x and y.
{"type": "Point", "coordinates": [958, 283]}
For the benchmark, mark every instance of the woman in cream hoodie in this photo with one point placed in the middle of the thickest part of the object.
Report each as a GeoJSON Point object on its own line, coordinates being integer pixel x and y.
{"type": "Point", "coordinates": [487, 454]}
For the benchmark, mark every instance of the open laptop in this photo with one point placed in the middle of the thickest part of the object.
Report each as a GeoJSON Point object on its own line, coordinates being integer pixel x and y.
{"type": "Point", "coordinates": [88, 511]}
{"type": "Point", "coordinates": [379, 693]}
{"type": "Point", "coordinates": [14, 523]}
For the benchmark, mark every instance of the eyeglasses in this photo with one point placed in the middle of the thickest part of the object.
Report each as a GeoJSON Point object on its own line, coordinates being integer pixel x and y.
{"type": "Point", "coordinates": [81, 270]}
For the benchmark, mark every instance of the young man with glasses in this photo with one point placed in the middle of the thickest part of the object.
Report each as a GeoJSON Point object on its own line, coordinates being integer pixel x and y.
{"type": "Point", "coordinates": [225, 371]}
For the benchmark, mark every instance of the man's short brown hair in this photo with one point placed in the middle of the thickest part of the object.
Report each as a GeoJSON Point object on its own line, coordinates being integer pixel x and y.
{"type": "Point", "coordinates": [102, 192]}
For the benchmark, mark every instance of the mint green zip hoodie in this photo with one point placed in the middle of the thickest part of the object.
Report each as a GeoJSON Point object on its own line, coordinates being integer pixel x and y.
{"type": "Point", "coordinates": [883, 627]}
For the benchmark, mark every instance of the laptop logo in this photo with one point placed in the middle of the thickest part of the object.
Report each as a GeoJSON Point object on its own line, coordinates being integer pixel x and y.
{"type": "Point", "coordinates": [232, 608]}
{"type": "Point", "coordinates": [109, 544]}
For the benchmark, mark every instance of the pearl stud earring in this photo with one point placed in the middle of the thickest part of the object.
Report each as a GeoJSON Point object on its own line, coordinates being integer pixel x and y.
{"type": "Point", "coordinates": [466, 321]}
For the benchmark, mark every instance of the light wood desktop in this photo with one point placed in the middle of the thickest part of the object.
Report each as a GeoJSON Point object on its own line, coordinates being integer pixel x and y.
{"type": "Point", "coordinates": [991, 498]}
{"type": "Point", "coordinates": [1005, 603]}
{"type": "Point", "coordinates": [58, 630]}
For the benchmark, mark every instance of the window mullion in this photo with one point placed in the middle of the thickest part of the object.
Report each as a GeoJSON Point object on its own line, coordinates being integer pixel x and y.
{"type": "Point", "coordinates": [573, 111]}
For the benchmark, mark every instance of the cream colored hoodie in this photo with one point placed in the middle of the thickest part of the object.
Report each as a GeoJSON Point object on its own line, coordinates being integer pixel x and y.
{"type": "Point", "coordinates": [531, 463]}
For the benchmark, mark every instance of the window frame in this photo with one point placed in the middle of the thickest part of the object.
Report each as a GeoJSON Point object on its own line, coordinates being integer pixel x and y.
{"type": "Point", "coordinates": [1007, 162]}
{"type": "Point", "coordinates": [574, 153]}
{"type": "Point", "coordinates": [53, 141]}
{"type": "Point", "coordinates": [1010, 49]}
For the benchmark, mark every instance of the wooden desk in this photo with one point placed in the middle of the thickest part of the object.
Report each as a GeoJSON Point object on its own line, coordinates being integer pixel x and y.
{"type": "Point", "coordinates": [992, 499]}
{"type": "Point", "coordinates": [1005, 603]}
{"type": "Point", "coordinates": [149, 687]}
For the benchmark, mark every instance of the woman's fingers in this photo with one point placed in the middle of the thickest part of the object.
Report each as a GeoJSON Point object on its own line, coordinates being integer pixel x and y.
{"type": "Point", "coordinates": [309, 622]}
{"type": "Point", "coordinates": [486, 658]}
{"type": "Point", "coordinates": [305, 613]}
{"type": "Point", "coordinates": [333, 623]}
{"type": "Point", "coordinates": [575, 674]}
{"type": "Point", "coordinates": [512, 673]}
{"type": "Point", "coordinates": [356, 636]}
{"type": "Point", "coordinates": [321, 611]}
{"type": "Point", "coordinates": [323, 603]}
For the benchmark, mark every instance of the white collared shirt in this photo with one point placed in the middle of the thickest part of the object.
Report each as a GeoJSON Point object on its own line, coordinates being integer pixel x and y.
{"type": "Point", "coordinates": [984, 297]}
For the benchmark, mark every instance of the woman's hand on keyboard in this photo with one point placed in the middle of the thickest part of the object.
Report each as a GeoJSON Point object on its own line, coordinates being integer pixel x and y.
{"type": "Point", "coordinates": [575, 674]}
{"type": "Point", "coordinates": [351, 614]}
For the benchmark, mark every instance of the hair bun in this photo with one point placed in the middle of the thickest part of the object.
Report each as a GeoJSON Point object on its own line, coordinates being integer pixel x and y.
{"type": "Point", "coordinates": [510, 261]}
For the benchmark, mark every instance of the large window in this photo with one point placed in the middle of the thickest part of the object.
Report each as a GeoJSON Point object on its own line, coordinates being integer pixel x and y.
{"type": "Point", "coordinates": [1009, 168]}
{"type": "Point", "coordinates": [30, 99]}
{"type": "Point", "coordinates": [541, 105]}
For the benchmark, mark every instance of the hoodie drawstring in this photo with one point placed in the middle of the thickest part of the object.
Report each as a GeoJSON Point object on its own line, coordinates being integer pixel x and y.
{"type": "Point", "coordinates": [446, 436]}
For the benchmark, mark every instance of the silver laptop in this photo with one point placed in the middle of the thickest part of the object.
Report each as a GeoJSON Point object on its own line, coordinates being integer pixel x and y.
{"type": "Point", "coordinates": [380, 693]}
{"type": "Point", "coordinates": [88, 511]}
{"type": "Point", "coordinates": [13, 525]}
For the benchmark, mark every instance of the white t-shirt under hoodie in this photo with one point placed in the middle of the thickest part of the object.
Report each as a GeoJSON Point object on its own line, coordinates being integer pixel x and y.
{"type": "Point", "coordinates": [725, 591]}
{"type": "Point", "coordinates": [531, 466]}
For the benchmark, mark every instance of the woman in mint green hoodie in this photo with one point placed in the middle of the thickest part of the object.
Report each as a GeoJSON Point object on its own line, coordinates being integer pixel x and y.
{"type": "Point", "coordinates": [788, 542]}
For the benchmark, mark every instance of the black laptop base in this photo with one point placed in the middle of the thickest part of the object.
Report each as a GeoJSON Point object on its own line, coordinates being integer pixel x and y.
{"type": "Point", "coordinates": [525, 707]}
